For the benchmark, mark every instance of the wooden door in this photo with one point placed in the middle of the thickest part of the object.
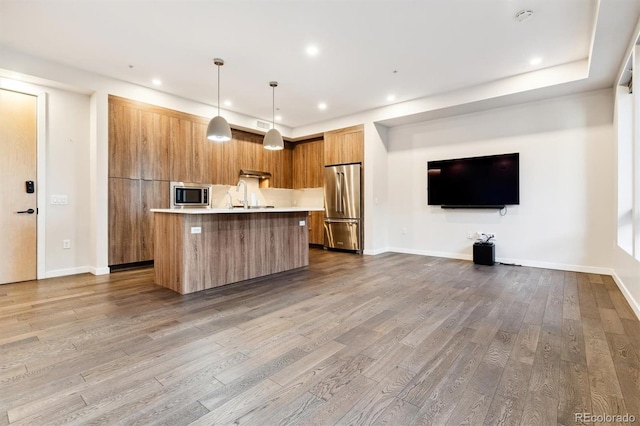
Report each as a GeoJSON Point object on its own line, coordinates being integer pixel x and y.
{"type": "Point", "coordinates": [18, 254]}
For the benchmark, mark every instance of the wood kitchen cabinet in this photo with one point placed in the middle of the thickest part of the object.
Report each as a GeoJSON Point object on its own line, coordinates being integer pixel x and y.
{"type": "Point", "coordinates": [279, 164]}
{"type": "Point", "coordinates": [125, 221]}
{"type": "Point", "coordinates": [308, 164]}
{"type": "Point", "coordinates": [344, 146]}
{"type": "Point", "coordinates": [150, 146]}
{"type": "Point", "coordinates": [130, 219]}
{"type": "Point", "coordinates": [307, 167]}
{"type": "Point", "coordinates": [181, 150]}
{"type": "Point", "coordinates": [316, 228]}
{"type": "Point", "coordinates": [124, 141]}
{"type": "Point", "coordinates": [154, 147]}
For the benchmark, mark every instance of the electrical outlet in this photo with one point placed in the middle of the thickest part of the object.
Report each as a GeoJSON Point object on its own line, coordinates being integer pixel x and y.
{"type": "Point", "coordinates": [302, 223]}
{"type": "Point", "coordinates": [66, 244]}
{"type": "Point", "coordinates": [470, 235]}
{"type": "Point", "coordinates": [404, 231]}
{"type": "Point", "coordinates": [196, 230]}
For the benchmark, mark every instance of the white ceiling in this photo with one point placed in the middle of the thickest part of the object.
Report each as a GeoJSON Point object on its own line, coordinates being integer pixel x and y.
{"type": "Point", "coordinates": [368, 49]}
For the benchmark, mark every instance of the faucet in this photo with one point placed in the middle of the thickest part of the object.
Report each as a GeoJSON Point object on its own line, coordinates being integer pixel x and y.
{"type": "Point", "coordinates": [229, 205]}
{"type": "Point", "coordinates": [245, 202]}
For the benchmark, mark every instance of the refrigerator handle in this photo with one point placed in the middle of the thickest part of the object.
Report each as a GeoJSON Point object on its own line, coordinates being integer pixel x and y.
{"type": "Point", "coordinates": [339, 193]}
{"type": "Point", "coordinates": [341, 188]}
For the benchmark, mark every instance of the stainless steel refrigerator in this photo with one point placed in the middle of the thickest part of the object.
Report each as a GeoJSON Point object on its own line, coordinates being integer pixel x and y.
{"type": "Point", "coordinates": [343, 207]}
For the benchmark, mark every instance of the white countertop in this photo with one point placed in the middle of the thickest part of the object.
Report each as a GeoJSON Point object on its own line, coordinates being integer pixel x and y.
{"type": "Point", "coordinates": [240, 210]}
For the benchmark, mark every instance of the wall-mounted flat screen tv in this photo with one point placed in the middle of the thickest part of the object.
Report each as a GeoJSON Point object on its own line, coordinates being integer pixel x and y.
{"type": "Point", "coordinates": [480, 182]}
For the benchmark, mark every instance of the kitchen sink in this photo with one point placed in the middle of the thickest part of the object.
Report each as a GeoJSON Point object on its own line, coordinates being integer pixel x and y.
{"type": "Point", "coordinates": [253, 207]}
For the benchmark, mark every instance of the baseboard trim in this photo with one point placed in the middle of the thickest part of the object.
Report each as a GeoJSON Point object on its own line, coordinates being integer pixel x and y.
{"type": "Point", "coordinates": [100, 271]}
{"type": "Point", "coordinates": [68, 271]}
{"type": "Point", "coordinates": [375, 251]}
{"type": "Point", "coordinates": [635, 306]}
{"type": "Point", "coordinates": [559, 266]}
{"type": "Point", "coordinates": [519, 262]}
{"type": "Point", "coordinates": [445, 255]}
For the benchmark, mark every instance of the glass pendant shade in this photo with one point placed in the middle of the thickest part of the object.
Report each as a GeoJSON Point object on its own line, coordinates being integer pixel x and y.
{"type": "Point", "coordinates": [218, 130]}
{"type": "Point", "coordinates": [273, 140]}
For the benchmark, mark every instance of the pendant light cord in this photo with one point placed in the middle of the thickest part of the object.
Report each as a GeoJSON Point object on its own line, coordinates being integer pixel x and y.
{"type": "Point", "coordinates": [273, 107]}
{"type": "Point", "coordinates": [218, 89]}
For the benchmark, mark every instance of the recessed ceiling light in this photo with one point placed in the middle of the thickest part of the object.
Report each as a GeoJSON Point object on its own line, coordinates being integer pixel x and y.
{"type": "Point", "coordinates": [156, 82]}
{"type": "Point", "coordinates": [312, 50]}
{"type": "Point", "coordinates": [278, 118]}
{"type": "Point", "coordinates": [322, 105]}
{"type": "Point", "coordinates": [536, 61]}
{"type": "Point", "coordinates": [391, 98]}
{"type": "Point", "coordinates": [227, 103]}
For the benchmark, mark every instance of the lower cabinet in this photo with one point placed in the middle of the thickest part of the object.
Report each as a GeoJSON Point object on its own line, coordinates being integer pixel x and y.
{"type": "Point", "coordinates": [316, 228]}
{"type": "Point", "coordinates": [130, 221]}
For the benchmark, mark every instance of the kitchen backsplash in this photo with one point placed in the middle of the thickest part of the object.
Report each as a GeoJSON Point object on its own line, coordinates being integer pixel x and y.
{"type": "Point", "coordinates": [256, 196]}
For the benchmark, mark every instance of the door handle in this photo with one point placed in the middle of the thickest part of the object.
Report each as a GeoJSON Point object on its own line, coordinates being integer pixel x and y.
{"type": "Point", "coordinates": [29, 211]}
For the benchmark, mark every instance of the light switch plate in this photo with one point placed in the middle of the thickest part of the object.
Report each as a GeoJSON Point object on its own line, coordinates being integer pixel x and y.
{"type": "Point", "coordinates": [196, 230]}
{"type": "Point", "coordinates": [302, 223]}
{"type": "Point", "coordinates": [59, 199]}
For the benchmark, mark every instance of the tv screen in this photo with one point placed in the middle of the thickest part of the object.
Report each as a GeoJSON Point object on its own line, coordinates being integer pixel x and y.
{"type": "Point", "coordinates": [490, 181]}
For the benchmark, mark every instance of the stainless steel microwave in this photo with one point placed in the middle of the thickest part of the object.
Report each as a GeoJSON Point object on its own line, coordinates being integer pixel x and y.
{"type": "Point", "coordinates": [190, 195]}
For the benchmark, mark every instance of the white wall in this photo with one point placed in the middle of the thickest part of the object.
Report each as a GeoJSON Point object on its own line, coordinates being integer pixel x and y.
{"type": "Point", "coordinates": [67, 174]}
{"type": "Point", "coordinates": [66, 165]}
{"type": "Point", "coordinates": [566, 214]}
{"type": "Point", "coordinates": [376, 197]}
{"type": "Point", "coordinates": [626, 268]}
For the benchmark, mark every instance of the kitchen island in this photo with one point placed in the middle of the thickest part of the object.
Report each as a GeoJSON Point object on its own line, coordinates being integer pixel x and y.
{"type": "Point", "coordinates": [197, 249]}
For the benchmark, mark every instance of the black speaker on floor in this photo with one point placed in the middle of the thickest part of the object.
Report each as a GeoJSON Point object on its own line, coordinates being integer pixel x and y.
{"type": "Point", "coordinates": [484, 253]}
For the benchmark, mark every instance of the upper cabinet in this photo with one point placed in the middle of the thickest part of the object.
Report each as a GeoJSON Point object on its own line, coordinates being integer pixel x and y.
{"type": "Point", "coordinates": [124, 141]}
{"type": "Point", "coordinates": [154, 146]}
{"type": "Point", "coordinates": [152, 143]}
{"type": "Point", "coordinates": [344, 146]}
{"type": "Point", "coordinates": [308, 164]}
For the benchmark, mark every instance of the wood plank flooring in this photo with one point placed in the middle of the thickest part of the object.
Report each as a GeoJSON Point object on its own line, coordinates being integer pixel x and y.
{"type": "Point", "coordinates": [392, 339]}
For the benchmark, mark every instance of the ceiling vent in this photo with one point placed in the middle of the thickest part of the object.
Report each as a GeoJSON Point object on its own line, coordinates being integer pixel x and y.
{"type": "Point", "coordinates": [263, 125]}
{"type": "Point", "coordinates": [523, 15]}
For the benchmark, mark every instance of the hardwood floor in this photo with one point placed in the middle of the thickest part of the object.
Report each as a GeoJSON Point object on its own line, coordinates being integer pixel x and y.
{"type": "Point", "coordinates": [392, 339]}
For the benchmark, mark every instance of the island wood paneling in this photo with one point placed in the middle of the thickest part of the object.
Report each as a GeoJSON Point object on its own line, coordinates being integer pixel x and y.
{"type": "Point", "coordinates": [344, 146]}
{"type": "Point", "coordinates": [168, 265]}
{"type": "Point", "coordinates": [154, 195]}
{"type": "Point", "coordinates": [229, 248]}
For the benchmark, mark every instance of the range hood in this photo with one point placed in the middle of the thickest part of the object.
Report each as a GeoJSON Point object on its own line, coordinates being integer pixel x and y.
{"type": "Point", "coordinates": [254, 174]}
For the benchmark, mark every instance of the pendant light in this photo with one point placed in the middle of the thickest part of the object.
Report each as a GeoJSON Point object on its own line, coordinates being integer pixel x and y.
{"type": "Point", "coordinates": [218, 129]}
{"type": "Point", "coordinates": [273, 138]}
